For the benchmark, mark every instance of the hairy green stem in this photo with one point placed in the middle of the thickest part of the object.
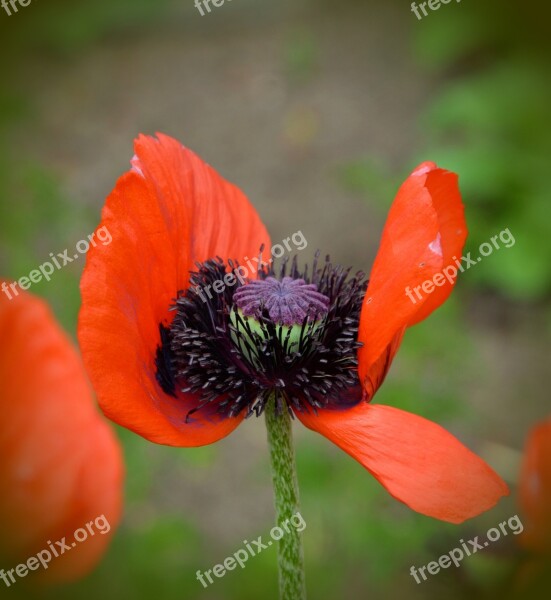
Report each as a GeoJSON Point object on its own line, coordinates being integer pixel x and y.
{"type": "Point", "coordinates": [284, 476]}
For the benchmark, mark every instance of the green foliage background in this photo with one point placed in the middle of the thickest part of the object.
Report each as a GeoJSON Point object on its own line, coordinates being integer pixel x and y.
{"type": "Point", "coordinates": [489, 121]}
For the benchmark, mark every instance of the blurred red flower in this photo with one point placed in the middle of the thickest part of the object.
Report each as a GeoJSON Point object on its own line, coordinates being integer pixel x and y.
{"type": "Point", "coordinates": [535, 490]}
{"type": "Point", "coordinates": [61, 464]}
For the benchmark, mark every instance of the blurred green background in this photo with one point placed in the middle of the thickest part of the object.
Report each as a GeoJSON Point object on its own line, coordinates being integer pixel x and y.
{"type": "Point", "coordinates": [318, 111]}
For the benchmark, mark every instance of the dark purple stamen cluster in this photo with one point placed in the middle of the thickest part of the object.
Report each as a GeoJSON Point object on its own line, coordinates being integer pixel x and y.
{"type": "Point", "coordinates": [236, 359]}
{"type": "Point", "coordinates": [288, 302]}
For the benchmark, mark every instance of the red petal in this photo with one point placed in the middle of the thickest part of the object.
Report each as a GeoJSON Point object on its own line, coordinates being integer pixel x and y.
{"type": "Point", "coordinates": [61, 464]}
{"type": "Point", "coordinates": [417, 461]}
{"type": "Point", "coordinates": [169, 211]}
{"type": "Point", "coordinates": [535, 489]}
{"type": "Point", "coordinates": [425, 230]}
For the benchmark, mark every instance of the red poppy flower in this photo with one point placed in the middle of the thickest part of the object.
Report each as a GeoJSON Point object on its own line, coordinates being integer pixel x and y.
{"type": "Point", "coordinates": [181, 346]}
{"type": "Point", "coordinates": [535, 490]}
{"type": "Point", "coordinates": [61, 465]}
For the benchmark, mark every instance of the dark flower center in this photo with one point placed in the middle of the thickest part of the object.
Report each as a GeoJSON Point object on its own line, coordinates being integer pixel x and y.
{"type": "Point", "coordinates": [293, 335]}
